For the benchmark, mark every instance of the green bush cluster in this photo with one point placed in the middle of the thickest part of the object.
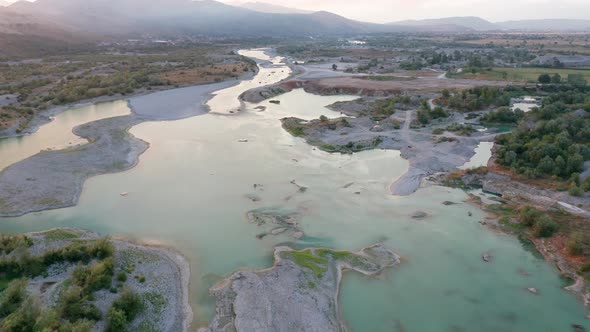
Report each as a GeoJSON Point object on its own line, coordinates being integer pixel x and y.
{"type": "Point", "coordinates": [461, 129]}
{"type": "Point", "coordinates": [9, 243]}
{"type": "Point", "coordinates": [551, 141]}
{"type": "Point", "coordinates": [26, 265]}
{"type": "Point", "coordinates": [503, 115]}
{"type": "Point", "coordinates": [123, 311]}
{"type": "Point", "coordinates": [541, 224]}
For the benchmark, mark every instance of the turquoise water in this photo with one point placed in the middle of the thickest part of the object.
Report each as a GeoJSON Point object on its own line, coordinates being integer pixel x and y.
{"type": "Point", "coordinates": [190, 190]}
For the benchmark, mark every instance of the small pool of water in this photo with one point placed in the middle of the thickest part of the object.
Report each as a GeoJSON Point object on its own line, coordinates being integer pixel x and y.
{"type": "Point", "coordinates": [483, 153]}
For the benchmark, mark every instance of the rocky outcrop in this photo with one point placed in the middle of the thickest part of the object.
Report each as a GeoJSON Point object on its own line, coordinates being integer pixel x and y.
{"type": "Point", "coordinates": [299, 293]}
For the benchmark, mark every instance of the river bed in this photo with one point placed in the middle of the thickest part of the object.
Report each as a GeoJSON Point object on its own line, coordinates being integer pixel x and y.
{"type": "Point", "coordinates": [193, 188]}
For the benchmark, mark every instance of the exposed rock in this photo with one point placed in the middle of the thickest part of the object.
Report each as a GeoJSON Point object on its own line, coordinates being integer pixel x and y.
{"type": "Point", "coordinates": [377, 129]}
{"type": "Point", "coordinates": [276, 221]}
{"type": "Point", "coordinates": [299, 293]}
{"type": "Point", "coordinates": [578, 328]}
{"type": "Point", "coordinates": [253, 197]}
{"type": "Point", "coordinates": [419, 215]}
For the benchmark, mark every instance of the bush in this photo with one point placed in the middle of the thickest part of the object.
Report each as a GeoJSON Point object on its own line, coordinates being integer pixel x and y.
{"type": "Point", "coordinates": [438, 131]}
{"type": "Point", "coordinates": [116, 320]}
{"type": "Point", "coordinates": [75, 306]}
{"type": "Point", "coordinates": [575, 244]}
{"type": "Point", "coordinates": [95, 277]}
{"type": "Point", "coordinates": [13, 297]}
{"type": "Point", "coordinates": [9, 243]}
{"type": "Point", "coordinates": [23, 319]}
{"type": "Point", "coordinates": [575, 190]}
{"type": "Point", "coordinates": [122, 276]}
{"type": "Point", "coordinates": [529, 216]}
{"type": "Point", "coordinates": [545, 227]}
{"type": "Point", "coordinates": [129, 303]}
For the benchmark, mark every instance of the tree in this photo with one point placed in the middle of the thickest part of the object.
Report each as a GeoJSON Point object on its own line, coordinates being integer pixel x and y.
{"type": "Point", "coordinates": [556, 79]}
{"type": "Point", "coordinates": [544, 79]}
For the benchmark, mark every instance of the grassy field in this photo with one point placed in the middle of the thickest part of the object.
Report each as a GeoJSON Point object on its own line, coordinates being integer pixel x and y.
{"type": "Point", "coordinates": [522, 74]}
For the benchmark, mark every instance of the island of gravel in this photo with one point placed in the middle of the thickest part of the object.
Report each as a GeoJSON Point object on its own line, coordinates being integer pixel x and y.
{"type": "Point", "coordinates": [73, 277]}
{"type": "Point", "coordinates": [299, 293]}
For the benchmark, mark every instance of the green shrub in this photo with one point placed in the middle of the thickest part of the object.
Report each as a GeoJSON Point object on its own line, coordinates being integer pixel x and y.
{"type": "Point", "coordinates": [545, 227]}
{"type": "Point", "coordinates": [122, 276]}
{"type": "Point", "coordinates": [575, 190]}
{"type": "Point", "coordinates": [95, 277]}
{"type": "Point", "coordinates": [22, 319]}
{"type": "Point", "coordinates": [529, 216]}
{"type": "Point", "coordinates": [9, 243]}
{"type": "Point", "coordinates": [129, 303]}
{"type": "Point", "coordinates": [576, 243]}
{"type": "Point", "coordinates": [116, 320]}
{"type": "Point", "coordinates": [13, 297]}
{"type": "Point", "coordinates": [75, 306]}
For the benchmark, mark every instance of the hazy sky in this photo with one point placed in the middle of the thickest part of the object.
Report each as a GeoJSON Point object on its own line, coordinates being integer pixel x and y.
{"type": "Point", "coordinates": [394, 10]}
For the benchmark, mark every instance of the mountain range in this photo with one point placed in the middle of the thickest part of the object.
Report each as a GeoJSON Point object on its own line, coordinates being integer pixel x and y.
{"type": "Point", "coordinates": [479, 24]}
{"type": "Point", "coordinates": [72, 21]}
{"type": "Point", "coordinates": [264, 7]}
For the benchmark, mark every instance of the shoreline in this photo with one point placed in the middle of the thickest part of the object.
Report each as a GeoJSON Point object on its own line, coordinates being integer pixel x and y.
{"type": "Point", "coordinates": [44, 117]}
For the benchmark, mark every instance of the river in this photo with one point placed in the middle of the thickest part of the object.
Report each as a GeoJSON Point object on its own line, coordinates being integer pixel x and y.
{"type": "Point", "coordinates": [194, 186]}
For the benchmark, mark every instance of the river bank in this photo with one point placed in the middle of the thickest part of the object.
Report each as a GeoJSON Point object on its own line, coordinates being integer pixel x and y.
{"type": "Point", "coordinates": [43, 117]}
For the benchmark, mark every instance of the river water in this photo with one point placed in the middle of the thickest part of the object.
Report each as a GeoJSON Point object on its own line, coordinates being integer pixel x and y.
{"type": "Point", "coordinates": [58, 133]}
{"type": "Point", "coordinates": [194, 185]}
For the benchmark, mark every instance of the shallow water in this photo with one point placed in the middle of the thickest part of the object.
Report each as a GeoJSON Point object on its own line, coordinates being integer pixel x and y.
{"type": "Point", "coordinates": [525, 107]}
{"type": "Point", "coordinates": [58, 133]}
{"type": "Point", "coordinates": [225, 101]}
{"type": "Point", "coordinates": [483, 153]}
{"type": "Point", "coordinates": [190, 190]}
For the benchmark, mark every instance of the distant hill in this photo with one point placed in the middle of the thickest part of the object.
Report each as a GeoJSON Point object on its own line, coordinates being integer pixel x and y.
{"type": "Point", "coordinates": [546, 25]}
{"type": "Point", "coordinates": [469, 22]}
{"type": "Point", "coordinates": [23, 35]}
{"type": "Point", "coordinates": [264, 7]}
{"type": "Point", "coordinates": [128, 17]}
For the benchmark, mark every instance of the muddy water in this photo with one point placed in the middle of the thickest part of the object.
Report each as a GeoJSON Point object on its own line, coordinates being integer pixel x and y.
{"type": "Point", "coordinates": [195, 184]}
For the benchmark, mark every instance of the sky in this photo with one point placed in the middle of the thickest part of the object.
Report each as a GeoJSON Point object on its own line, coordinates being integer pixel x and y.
{"type": "Point", "coordinates": [383, 11]}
